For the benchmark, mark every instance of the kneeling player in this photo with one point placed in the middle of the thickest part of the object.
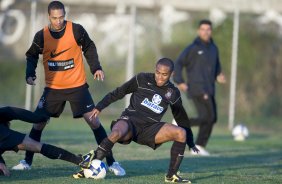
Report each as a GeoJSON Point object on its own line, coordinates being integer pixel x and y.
{"type": "Point", "coordinates": [152, 93]}
{"type": "Point", "coordinates": [11, 140]}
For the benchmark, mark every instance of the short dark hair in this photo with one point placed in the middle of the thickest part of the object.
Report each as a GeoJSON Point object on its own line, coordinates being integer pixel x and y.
{"type": "Point", "coordinates": [205, 21]}
{"type": "Point", "coordinates": [56, 5]}
{"type": "Point", "coordinates": [166, 62]}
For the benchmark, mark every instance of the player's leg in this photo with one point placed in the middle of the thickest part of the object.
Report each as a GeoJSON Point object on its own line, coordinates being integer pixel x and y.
{"type": "Point", "coordinates": [9, 139]}
{"type": "Point", "coordinates": [99, 133]}
{"type": "Point", "coordinates": [208, 114]}
{"type": "Point", "coordinates": [120, 132]}
{"type": "Point", "coordinates": [169, 132]}
{"type": "Point", "coordinates": [35, 133]}
{"type": "Point", "coordinates": [200, 108]}
{"type": "Point", "coordinates": [82, 104]}
{"type": "Point", "coordinates": [13, 113]}
{"type": "Point", "coordinates": [48, 150]}
{"type": "Point", "coordinates": [50, 105]}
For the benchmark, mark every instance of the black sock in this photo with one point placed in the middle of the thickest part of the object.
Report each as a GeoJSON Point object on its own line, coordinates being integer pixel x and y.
{"type": "Point", "coordinates": [176, 156]}
{"type": "Point", "coordinates": [101, 134]}
{"type": "Point", "coordinates": [104, 149]}
{"type": "Point", "coordinates": [54, 152]}
{"type": "Point", "coordinates": [35, 135]}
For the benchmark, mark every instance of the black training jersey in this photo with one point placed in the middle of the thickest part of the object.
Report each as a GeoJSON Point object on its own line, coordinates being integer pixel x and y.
{"type": "Point", "coordinates": [148, 101]}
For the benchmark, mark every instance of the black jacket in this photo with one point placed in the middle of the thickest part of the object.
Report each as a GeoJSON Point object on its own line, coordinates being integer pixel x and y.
{"type": "Point", "coordinates": [202, 65]}
{"type": "Point", "coordinates": [150, 102]}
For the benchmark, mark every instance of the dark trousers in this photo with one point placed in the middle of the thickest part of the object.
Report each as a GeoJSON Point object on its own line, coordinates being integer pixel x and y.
{"type": "Point", "coordinates": [207, 116]}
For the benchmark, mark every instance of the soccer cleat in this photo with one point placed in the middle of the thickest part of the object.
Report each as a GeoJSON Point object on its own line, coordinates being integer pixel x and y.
{"type": "Point", "coordinates": [176, 179]}
{"type": "Point", "coordinates": [79, 174]}
{"type": "Point", "coordinates": [22, 166]}
{"type": "Point", "coordinates": [202, 151]}
{"type": "Point", "coordinates": [86, 159]}
{"type": "Point", "coordinates": [117, 169]}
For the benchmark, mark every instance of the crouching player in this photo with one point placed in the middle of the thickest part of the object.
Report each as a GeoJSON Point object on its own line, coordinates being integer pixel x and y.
{"type": "Point", "coordinates": [152, 93]}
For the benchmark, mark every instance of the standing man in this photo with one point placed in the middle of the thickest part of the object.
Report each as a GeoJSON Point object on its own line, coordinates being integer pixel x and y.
{"type": "Point", "coordinates": [202, 66]}
{"type": "Point", "coordinates": [61, 43]}
{"type": "Point", "coordinates": [152, 93]}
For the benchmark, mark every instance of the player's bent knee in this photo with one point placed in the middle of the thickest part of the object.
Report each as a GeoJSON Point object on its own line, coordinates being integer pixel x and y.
{"type": "Point", "coordinates": [181, 135]}
{"type": "Point", "coordinates": [116, 135]}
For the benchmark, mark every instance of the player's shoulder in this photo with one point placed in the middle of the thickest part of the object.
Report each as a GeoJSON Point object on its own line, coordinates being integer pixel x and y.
{"type": "Point", "coordinates": [173, 87]}
{"type": "Point", "coordinates": [144, 75]}
{"type": "Point", "coordinates": [77, 27]}
{"type": "Point", "coordinates": [75, 24]}
{"type": "Point", "coordinates": [172, 91]}
{"type": "Point", "coordinates": [144, 78]}
{"type": "Point", "coordinates": [39, 38]}
{"type": "Point", "coordinates": [39, 34]}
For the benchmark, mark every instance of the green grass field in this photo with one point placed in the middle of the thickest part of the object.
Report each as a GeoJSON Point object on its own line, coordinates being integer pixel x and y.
{"type": "Point", "coordinates": [257, 160]}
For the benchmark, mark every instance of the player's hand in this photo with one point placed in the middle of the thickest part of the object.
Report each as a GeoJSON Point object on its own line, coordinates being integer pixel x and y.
{"type": "Point", "coordinates": [94, 114]}
{"type": "Point", "coordinates": [99, 75]}
{"type": "Point", "coordinates": [183, 87]}
{"type": "Point", "coordinates": [31, 80]}
{"type": "Point", "coordinates": [221, 78]}
{"type": "Point", "coordinates": [4, 170]}
{"type": "Point", "coordinates": [195, 149]}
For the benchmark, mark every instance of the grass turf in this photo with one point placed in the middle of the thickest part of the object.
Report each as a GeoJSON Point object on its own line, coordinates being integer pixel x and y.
{"type": "Point", "coordinates": [257, 160]}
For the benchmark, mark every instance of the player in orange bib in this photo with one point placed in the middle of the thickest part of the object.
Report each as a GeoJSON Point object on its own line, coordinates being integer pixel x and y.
{"type": "Point", "coordinates": [62, 43]}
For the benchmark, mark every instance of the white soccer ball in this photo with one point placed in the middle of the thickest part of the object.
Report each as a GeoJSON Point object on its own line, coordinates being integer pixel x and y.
{"type": "Point", "coordinates": [240, 132]}
{"type": "Point", "coordinates": [97, 170]}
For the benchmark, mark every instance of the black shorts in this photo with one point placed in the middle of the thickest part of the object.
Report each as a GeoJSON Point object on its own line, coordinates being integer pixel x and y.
{"type": "Point", "coordinates": [143, 132]}
{"type": "Point", "coordinates": [11, 140]}
{"type": "Point", "coordinates": [53, 101]}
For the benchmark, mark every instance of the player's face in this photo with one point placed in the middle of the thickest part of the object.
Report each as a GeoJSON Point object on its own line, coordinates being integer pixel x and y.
{"type": "Point", "coordinates": [56, 18]}
{"type": "Point", "coordinates": [162, 74]}
{"type": "Point", "coordinates": [205, 32]}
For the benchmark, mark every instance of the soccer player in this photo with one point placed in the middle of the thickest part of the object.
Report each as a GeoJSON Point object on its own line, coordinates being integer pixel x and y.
{"type": "Point", "coordinates": [201, 61]}
{"type": "Point", "coordinates": [62, 43]}
{"type": "Point", "coordinates": [152, 93]}
{"type": "Point", "coordinates": [11, 140]}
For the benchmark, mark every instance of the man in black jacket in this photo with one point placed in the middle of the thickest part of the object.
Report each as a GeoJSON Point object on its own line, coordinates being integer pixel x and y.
{"type": "Point", "coordinates": [152, 93]}
{"type": "Point", "coordinates": [62, 44]}
{"type": "Point", "coordinates": [201, 61]}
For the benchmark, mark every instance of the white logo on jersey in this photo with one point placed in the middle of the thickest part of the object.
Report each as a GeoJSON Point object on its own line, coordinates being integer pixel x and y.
{"type": "Point", "coordinates": [154, 105]}
{"type": "Point", "coordinates": [200, 52]}
{"type": "Point", "coordinates": [157, 99]}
